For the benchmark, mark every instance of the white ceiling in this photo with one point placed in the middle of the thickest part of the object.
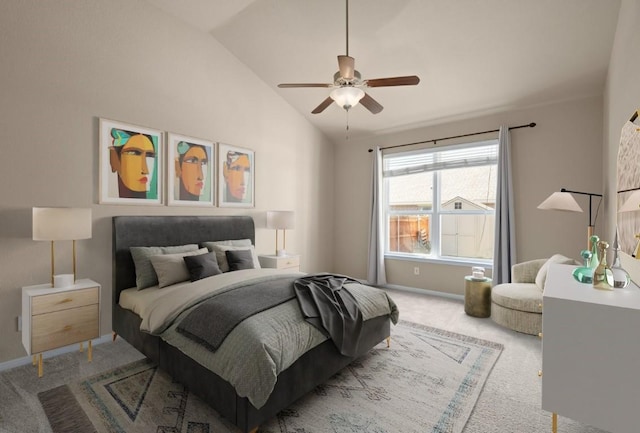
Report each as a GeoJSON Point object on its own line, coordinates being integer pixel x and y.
{"type": "Point", "coordinates": [473, 56]}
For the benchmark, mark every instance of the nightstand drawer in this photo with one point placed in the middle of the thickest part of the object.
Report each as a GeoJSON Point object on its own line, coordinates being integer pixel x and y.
{"type": "Point", "coordinates": [289, 262]}
{"type": "Point", "coordinates": [62, 328]}
{"type": "Point", "coordinates": [64, 301]}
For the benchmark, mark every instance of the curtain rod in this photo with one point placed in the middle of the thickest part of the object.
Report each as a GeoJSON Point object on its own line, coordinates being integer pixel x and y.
{"type": "Point", "coordinates": [434, 141]}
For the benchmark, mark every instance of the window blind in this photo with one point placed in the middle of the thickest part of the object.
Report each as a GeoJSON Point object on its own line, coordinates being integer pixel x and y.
{"type": "Point", "coordinates": [403, 163]}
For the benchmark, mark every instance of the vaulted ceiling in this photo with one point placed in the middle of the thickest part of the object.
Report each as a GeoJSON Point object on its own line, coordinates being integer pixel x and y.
{"type": "Point", "coordinates": [473, 57]}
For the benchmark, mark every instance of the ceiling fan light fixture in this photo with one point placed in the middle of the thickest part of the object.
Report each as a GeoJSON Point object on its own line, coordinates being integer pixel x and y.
{"type": "Point", "coordinates": [347, 96]}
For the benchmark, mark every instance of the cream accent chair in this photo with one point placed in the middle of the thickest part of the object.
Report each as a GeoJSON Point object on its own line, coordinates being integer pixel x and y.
{"type": "Point", "coordinates": [518, 305]}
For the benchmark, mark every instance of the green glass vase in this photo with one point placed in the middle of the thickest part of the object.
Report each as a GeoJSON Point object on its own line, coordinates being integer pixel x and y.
{"type": "Point", "coordinates": [584, 274]}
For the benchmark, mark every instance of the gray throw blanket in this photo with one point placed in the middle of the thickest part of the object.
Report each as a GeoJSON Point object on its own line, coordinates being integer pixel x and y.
{"type": "Point", "coordinates": [211, 322]}
{"type": "Point", "coordinates": [331, 309]}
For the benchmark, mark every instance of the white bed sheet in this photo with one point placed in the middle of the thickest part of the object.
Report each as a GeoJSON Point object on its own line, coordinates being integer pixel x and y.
{"type": "Point", "coordinates": [137, 300]}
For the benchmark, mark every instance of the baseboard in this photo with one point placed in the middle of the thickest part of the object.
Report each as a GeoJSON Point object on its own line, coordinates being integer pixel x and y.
{"type": "Point", "coordinates": [51, 353]}
{"type": "Point", "coordinates": [424, 291]}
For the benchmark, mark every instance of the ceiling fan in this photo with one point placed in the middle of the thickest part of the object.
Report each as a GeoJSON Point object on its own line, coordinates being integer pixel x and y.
{"type": "Point", "coordinates": [348, 85]}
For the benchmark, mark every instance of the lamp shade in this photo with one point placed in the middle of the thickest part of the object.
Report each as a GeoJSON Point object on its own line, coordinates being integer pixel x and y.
{"type": "Point", "coordinates": [60, 224]}
{"type": "Point", "coordinates": [347, 96]}
{"type": "Point", "coordinates": [632, 203]}
{"type": "Point", "coordinates": [560, 201]}
{"type": "Point", "coordinates": [280, 219]}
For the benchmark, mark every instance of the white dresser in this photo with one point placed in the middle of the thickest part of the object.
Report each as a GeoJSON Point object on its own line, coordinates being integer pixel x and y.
{"type": "Point", "coordinates": [591, 352]}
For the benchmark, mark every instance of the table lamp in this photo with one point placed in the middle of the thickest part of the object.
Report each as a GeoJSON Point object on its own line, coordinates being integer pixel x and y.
{"type": "Point", "coordinates": [281, 220]}
{"type": "Point", "coordinates": [564, 201]}
{"type": "Point", "coordinates": [632, 203]}
{"type": "Point", "coordinates": [61, 224]}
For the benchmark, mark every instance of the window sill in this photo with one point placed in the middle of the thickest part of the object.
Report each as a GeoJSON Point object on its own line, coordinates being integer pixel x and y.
{"type": "Point", "coordinates": [440, 261]}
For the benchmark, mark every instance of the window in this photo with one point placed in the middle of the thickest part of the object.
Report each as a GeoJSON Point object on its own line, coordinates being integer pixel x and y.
{"type": "Point", "coordinates": [440, 203]}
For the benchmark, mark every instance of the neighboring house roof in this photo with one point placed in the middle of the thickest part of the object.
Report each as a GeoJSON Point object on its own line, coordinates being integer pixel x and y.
{"type": "Point", "coordinates": [473, 186]}
{"type": "Point", "coordinates": [469, 204]}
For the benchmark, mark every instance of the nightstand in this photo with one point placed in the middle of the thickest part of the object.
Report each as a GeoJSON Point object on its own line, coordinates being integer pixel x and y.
{"type": "Point", "coordinates": [289, 262]}
{"type": "Point", "coordinates": [58, 317]}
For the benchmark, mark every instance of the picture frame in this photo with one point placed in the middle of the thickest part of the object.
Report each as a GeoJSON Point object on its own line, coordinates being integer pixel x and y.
{"type": "Point", "coordinates": [130, 164]}
{"type": "Point", "coordinates": [191, 164]}
{"type": "Point", "coordinates": [236, 176]}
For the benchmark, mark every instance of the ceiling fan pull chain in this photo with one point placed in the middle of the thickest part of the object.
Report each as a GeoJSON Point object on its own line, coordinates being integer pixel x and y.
{"type": "Point", "coordinates": [346, 134]}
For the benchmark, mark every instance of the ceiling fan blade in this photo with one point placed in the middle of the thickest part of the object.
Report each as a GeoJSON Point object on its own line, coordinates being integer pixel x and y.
{"type": "Point", "coordinates": [371, 104]}
{"type": "Point", "coordinates": [291, 85]}
{"type": "Point", "coordinates": [346, 65]}
{"type": "Point", "coordinates": [410, 80]}
{"type": "Point", "coordinates": [324, 104]}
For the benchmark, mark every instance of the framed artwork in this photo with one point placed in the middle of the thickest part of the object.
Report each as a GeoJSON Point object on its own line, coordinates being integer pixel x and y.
{"type": "Point", "coordinates": [130, 164]}
{"type": "Point", "coordinates": [236, 176]}
{"type": "Point", "coordinates": [190, 171]}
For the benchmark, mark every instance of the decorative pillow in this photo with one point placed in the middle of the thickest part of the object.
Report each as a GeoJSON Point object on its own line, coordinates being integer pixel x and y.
{"type": "Point", "coordinates": [220, 251]}
{"type": "Point", "coordinates": [171, 268]}
{"type": "Point", "coordinates": [541, 277]}
{"type": "Point", "coordinates": [202, 266]}
{"type": "Point", "coordinates": [231, 243]}
{"type": "Point", "coordinates": [145, 274]}
{"type": "Point", "coordinates": [239, 259]}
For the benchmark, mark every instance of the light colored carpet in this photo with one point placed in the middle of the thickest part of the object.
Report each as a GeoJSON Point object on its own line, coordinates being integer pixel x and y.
{"type": "Point", "coordinates": [428, 380]}
{"type": "Point", "coordinates": [509, 402]}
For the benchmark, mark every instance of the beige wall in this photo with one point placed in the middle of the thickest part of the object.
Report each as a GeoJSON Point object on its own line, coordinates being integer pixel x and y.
{"type": "Point", "coordinates": [563, 150]}
{"type": "Point", "coordinates": [622, 98]}
{"type": "Point", "coordinates": [69, 62]}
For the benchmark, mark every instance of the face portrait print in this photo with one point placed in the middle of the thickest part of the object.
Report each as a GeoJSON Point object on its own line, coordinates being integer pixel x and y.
{"type": "Point", "coordinates": [133, 157]}
{"type": "Point", "coordinates": [191, 170]}
{"type": "Point", "coordinates": [237, 176]}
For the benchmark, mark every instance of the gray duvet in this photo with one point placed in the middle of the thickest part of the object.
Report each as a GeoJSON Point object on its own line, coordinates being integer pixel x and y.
{"type": "Point", "coordinates": [267, 343]}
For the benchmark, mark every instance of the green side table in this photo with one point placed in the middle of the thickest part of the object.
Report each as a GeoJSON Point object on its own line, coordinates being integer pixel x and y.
{"type": "Point", "coordinates": [477, 296]}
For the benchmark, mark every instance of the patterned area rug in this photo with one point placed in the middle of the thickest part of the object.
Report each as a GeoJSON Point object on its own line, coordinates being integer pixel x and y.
{"type": "Point", "coordinates": [428, 381]}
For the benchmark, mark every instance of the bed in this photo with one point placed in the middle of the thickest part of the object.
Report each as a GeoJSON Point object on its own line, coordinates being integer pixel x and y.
{"type": "Point", "coordinates": [309, 370]}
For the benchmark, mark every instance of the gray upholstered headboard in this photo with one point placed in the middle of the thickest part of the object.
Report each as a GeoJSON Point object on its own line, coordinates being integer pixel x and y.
{"type": "Point", "coordinates": [132, 231]}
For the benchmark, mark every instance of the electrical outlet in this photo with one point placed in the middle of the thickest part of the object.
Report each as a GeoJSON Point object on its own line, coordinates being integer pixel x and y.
{"type": "Point", "coordinates": [19, 323]}
{"type": "Point", "coordinates": [416, 270]}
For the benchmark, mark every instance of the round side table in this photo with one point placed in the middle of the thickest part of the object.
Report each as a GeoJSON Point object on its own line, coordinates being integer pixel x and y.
{"type": "Point", "coordinates": [477, 296]}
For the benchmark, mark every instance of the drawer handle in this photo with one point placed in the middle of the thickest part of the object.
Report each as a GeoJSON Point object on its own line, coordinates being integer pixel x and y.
{"type": "Point", "coordinates": [67, 328]}
{"type": "Point", "coordinates": [65, 300]}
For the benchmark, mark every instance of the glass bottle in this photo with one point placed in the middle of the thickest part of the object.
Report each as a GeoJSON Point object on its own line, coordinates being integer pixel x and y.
{"type": "Point", "coordinates": [584, 274]}
{"type": "Point", "coordinates": [621, 278]}
{"type": "Point", "coordinates": [602, 274]}
{"type": "Point", "coordinates": [594, 262]}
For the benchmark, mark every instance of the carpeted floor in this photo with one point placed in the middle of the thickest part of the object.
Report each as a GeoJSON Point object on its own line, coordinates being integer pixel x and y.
{"type": "Point", "coordinates": [509, 402]}
{"type": "Point", "coordinates": [428, 380]}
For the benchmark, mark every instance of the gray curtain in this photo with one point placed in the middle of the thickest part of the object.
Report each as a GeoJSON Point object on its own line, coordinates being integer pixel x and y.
{"type": "Point", "coordinates": [376, 274]}
{"type": "Point", "coordinates": [504, 251]}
